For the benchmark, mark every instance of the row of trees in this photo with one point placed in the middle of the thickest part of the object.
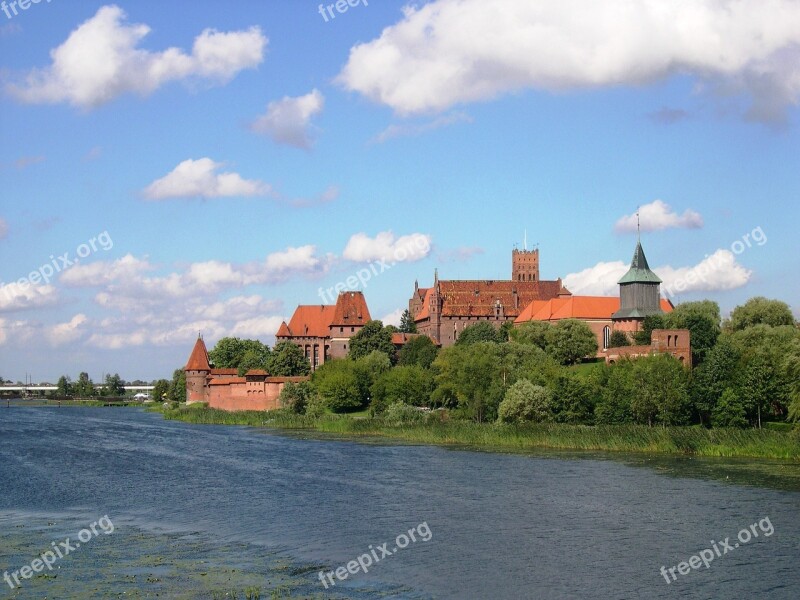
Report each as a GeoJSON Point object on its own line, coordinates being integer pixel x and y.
{"type": "Point", "coordinates": [747, 370]}
{"type": "Point", "coordinates": [84, 387]}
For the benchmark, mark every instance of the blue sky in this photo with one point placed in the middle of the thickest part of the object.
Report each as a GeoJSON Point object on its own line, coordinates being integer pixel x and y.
{"type": "Point", "coordinates": [230, 159]}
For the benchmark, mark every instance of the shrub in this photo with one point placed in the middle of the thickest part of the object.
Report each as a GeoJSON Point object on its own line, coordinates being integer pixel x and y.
{"type": "Point", "coordinates": [526, 402]}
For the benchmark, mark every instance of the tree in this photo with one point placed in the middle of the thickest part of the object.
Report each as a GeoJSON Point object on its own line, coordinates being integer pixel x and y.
{"type": "Point", "coordinates": [235, 353]}
{"type": "Point", "coordinates": [525, 402]}
{"type": "Point", "coordinates": [571, 340]}
{"type": "Point", "coordinates": [161, 390]}
{"type": "Point", "coordinates": [287, 360]}
{"type": "Point", "coordinates": [532, 332]}
{"type": "Point", "coordinates": [470, 374]}
{"type": "Point", "coordinates": [64, 387]}
{"type": "Point", "coordinates": [573, 399]}
{"type": "Point", "coordinates": [373, 336]}
{"type": "Point", "coordinates": [618, 339]}
{"type": "Point", "coordinates": [791, 368]}
{"type": "Point", "coordinates": [177, 387]}
{"type": "Point", "coordinates": [296, 396]}
{"type": "Point", "coordinates": [114, 386]}
{"type": "Point", "coordinates": [760, 310]}
{"type": "Point", "coordinates": [650, 322]}
{"type": "Point", "coordinates": [337, 384]}
{"type": "Point", "coordinates": [407, 324]}
{"type": "Point", "coordinates": [729, 411]}
{"type": "Point", "coordinates": [84, 388]}
{"type": "Point", "coordinates": [662, 390]}
{"type": "Point", "coordinates": [614, 404]}
{"type": "Point", "coordinates": [407, 384]}
{"type": "Point", "coordinates": [482, 331]}
{"type": "Point", "coordinates": [711, 378]}
{"type": "Point", "coordinates": [419, 351]}
{"type": "Point", "coordinates": [702, 319]}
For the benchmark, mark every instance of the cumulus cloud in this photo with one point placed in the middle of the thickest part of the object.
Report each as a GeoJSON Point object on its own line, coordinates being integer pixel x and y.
{"type": "Point", "coordinates": [393, 318]}
{"type": "Point", "coordinates": [658, 215]}
{"type": "Point", "coordinates": [387, 247]}
{"type": "Point", "coordinates": [103, 272]}
{"type": "Point", "coordinates": [69, 332]}
{"type": "Point", "coordinates": [446, 52]}
{"type": "Point", "coordinates": [102, 59]}
{"type": "Point", "coordinates": [288, 121]}
{"type": "Point", "coordinates": [717, 272]}
{"type": "Point", "coordinates": [416, 129]}
{"type": "Point", "coordinates": [202, 179]}
{"type": "Point", "coordinates": [16, 296]}
{"type": "Point", "coordinates": [3, 229]}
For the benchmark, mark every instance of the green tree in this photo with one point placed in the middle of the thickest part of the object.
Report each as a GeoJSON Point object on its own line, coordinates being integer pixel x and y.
{"type": "Point", "coordinates": [419, 351]}
{"type": "Point", "coordinates": [650, 322]}
{"type": "Point", "coordinates": [713, 376]}
{"type": "Point", "coordinates": [573, 399]}
{"type": "Point", "coordinates": [373, 336]}
{"type": "Point", "coordinates": [161, 390]}
{"type": "Point", "coordinates": [236, 353]}
{"type": "Point", "coordinates": [84, 387]}
{"type": "Point", "coordinates": [531, 332]}
{"type": "Point", "coordinates": [287, 360]}
{"type": "Point", "coordinates": [114, 386]}
{"type": "Point", "coordinates": [407, 324]}
{"type": "Point", "coordinates": [524, 402]}
{"type": "Point", "coordinates": [296, 396]}
{"type": "Point", "coordinates": [482, 331]}
{"type": "Point", "coordinates": [662, 385]}
{"type": "Point", "coordinates": [762, 311]}
{"type": "Point", "coordinates": [571, 340]}
{"type": "Point", "coordinates": [729, 411]}
{"type": "Point", "coordinates": [470, 374]}
{"type": "Point", "coordinates": [337, 384]}
{"type": "Point", "coordinates": [64, 386]}
{"type": "Point", "coordinates": [791, 369]}
{"type": "Point", "coordinates": [177, 387]}
{"type": "Point", "coordinates": [614, 404]}
{"type": "Point", "coordinates": [702, 319]}
{"type": "Point", "coordinates": [618, 339]}
{"type": "Point", "coordinates": [407, 384]}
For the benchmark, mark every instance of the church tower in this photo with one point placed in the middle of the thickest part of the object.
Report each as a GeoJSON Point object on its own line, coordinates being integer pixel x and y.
{"type": "Point", "coordinates": [525, 265]}
{"type": "Point", "coordinates": [639, 294]}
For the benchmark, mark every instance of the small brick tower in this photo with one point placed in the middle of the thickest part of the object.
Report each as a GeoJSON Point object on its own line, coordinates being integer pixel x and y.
{"type": "Point", "coordinates": [525, 263]}
{"type": "Point", "coordinates": [197, 370]}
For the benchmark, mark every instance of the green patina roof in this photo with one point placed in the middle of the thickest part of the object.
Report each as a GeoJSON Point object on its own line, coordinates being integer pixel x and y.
{"type": "Point", "coordinates": [640, 271]}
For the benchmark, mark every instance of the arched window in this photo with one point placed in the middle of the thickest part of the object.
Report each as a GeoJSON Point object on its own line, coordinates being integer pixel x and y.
{"type": "Point", "coordinates": [606, 336]}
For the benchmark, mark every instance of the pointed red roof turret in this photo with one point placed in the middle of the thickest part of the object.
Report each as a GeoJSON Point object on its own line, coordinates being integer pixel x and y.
{"type": "Point", "coordinates": [198, 360]}
{"type": "Point", "coordinates": [283, 331]}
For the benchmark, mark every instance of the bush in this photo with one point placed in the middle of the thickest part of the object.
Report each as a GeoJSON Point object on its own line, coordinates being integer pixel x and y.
{"type": "Point", "coordinates": [295, 396]}
{"type": "Point", "coordinates": [729, 411]}
{"type": "Point", "coordinates": [525, 402]}
{"type": "Point", "coordinates": [399, 414]}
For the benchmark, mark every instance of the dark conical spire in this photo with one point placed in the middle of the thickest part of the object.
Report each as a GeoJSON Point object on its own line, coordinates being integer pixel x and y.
{"type": "Point", "coordinates": [640, 271]}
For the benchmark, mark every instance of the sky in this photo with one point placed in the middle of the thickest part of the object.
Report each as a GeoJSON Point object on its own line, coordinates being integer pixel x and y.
{"type": "Point", "coordinates": [170, 167]}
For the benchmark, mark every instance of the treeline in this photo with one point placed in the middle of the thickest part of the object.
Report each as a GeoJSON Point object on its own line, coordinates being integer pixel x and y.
{"type": "Point", "coordinates": [746, 372]}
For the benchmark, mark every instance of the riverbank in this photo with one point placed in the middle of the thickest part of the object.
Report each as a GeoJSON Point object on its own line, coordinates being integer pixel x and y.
{"type": "Point", "coordinates": [694, 441]}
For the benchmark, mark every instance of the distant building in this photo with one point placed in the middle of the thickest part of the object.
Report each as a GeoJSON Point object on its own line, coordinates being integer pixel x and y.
{"type": "Point", "coordinates": [224, 389]}
{"type": "Point", "coordinates": [639, 297]}
{"type": "Point", "coordinates": [445, 309]}
{"type": "Point", "coordinates": [324, 331]}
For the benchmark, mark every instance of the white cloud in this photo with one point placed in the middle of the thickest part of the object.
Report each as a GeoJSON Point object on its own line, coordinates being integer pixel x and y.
{"type": "Point", "coordinates": [658, 215]}
{"type": "Point", "coordinates": [393, 318]}
{"type": "Point", "coordinates": [717, 272]}
{"type": "Point", "coordinates": [386, 247]}
{"type": "Point", "coordinates": [446, 52]}
{"type": "Point", "coordinates": [103, 272]}
{"type": "Point", "coordinates": [14, 296]}
{"type": "Point", "coordinates": [101, 60]}
{"type": "Point", "coordinates": [416, 129]}
{"type": "Point", "coordinates": [201, 179]}
{"type": "Point", "coordinates": [14, 331]}
{"type": "Point", "coordinates": [27, 161]}
{"type": "Point", "coordinates": [3, 229]}
{"type": "Point", "coordinates": [288, 121]}
{"type": "Point", "coordinates": [65, 333]}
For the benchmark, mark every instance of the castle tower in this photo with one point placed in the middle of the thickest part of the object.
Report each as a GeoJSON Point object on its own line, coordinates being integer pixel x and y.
{"type": "Point", "coordinates": [435, 309]}
{"type": "Point", "coordinates": [639, 293]}
{"type": "Point", "coordinates": [525, 265]}
{"type": "Point", "coordinates": [197, 370]}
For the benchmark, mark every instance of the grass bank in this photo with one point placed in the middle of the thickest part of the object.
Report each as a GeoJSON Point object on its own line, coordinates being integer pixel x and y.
{"type": "Point", "coordinates": [697, 441]}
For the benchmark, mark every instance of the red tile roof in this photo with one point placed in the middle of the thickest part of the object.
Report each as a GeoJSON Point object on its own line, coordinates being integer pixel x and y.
{"type": "Point", "coordinates": [224, 371]}
{"type": "Point", "coordinates": [256, 372]}
{"type": "Point", "coordinates": [575, 307]}
{"type": "Point", "coordinates": [399, 339]}
{"type": "Point", "coordinates": [478, 298]}
{"type": "Point", "coordinates": [351, 309]}
{"type": "Point", "coordinates": [283, 331]}
{"type": "Point", "coordinates": [198, 359]}
{"type": "Point", "coordinates": [227, 380]}
{"type": "Point", "coordinates": [311, 321]}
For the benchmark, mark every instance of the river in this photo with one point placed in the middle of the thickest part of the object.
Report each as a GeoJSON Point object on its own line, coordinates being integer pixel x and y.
{"type": "Point", "coordinates": [201, 511]}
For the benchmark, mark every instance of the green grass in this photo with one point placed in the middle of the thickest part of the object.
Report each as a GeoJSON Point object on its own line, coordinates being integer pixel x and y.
{"type": "Point", "coordinates": [697, 441]}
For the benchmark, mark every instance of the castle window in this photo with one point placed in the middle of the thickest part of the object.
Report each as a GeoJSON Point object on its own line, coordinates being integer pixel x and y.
{"type": "Point", "coordinates": [606, 337]}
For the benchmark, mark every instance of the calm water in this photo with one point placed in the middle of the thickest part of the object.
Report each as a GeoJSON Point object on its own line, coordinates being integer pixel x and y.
{"type": "Point", "coordinates": [229, 506]}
